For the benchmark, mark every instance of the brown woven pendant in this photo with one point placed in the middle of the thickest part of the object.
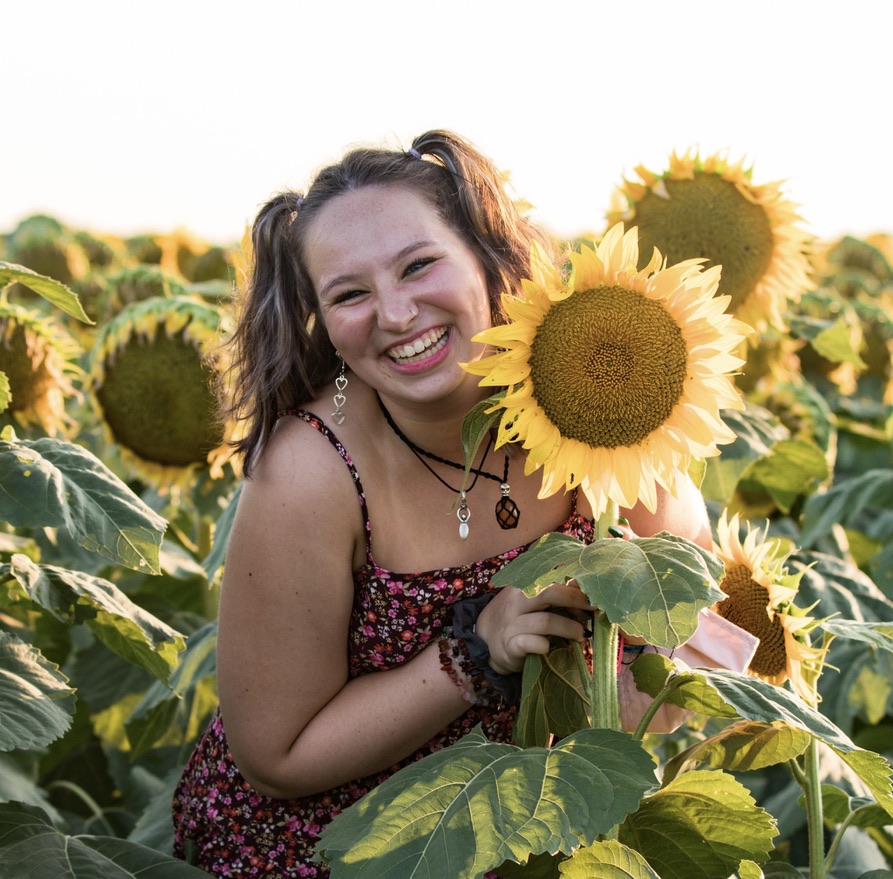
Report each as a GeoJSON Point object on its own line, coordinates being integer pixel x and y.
{"type": "Point", "coordinates": [507, 513]}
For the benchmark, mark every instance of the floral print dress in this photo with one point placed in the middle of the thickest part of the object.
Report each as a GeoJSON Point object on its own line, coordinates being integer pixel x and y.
{"type": "Point", "coordinates": [225, 826]}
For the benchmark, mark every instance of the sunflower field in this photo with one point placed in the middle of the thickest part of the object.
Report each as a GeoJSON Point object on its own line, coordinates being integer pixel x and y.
{"type": "Point", "coordinates": [708, 334]}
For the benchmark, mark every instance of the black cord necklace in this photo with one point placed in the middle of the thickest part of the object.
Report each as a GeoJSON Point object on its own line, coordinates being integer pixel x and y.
{"type": "Point", "coordinates": [507, 512]}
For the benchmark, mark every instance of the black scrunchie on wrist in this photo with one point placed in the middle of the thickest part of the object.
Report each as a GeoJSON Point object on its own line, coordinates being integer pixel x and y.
{"type": "Point", "coordinates": [465, 616]}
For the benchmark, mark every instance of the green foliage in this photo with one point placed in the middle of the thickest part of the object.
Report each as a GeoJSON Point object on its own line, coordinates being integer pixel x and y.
{"type": "Point", "coordinates": [48, 483]}
{"type": "Point", "coordinates": [54, 291]}
{"type": "Point", "coordinates": [107, 640]}
{"type": "Point", "coordinates": [36, 703]}
{"type": "Point", "coordinates": [467, 809]}
{"type": "Point", "coordinates": [99, 700]}
{"type": "Point", "coordinates": [32, 848]}
{"type": "Point", "coordinates": [700, 824]}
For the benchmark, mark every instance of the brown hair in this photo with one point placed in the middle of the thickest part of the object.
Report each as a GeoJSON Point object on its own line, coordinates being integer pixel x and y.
{"type": "Point", "coordinates": [281, 355]}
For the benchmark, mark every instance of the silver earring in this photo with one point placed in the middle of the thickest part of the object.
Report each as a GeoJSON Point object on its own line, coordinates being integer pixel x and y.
{"type": "Point", "coordinates": [339, 399]}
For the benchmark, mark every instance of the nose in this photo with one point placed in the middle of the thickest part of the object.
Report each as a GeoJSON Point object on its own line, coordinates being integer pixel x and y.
{"type": "Point", "coordinates": [396, 310]}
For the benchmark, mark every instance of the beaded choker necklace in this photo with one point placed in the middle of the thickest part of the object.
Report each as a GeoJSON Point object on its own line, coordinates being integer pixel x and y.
{"type": "Point", "coordinates": [507, 513]}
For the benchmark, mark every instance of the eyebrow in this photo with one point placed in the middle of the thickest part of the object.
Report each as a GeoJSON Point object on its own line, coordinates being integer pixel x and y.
{"type": "Point", "coordinates": [398, 257]}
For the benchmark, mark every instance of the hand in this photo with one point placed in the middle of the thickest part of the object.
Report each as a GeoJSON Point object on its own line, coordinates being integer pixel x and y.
{"type": "Point", "coordinates": [513, 625]}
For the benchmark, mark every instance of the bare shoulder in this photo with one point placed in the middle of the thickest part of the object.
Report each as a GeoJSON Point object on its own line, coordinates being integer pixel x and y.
{"type": "Point", "coordinates": [300, 485]}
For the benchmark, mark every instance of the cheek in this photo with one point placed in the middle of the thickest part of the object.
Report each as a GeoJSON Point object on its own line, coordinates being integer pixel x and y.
{"type": "Point", "coordinates": [346, 331]}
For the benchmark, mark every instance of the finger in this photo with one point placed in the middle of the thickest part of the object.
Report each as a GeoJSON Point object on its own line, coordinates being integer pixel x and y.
{"type": "Point", "coordinates": [565, 595]}
{"type": "Point", "coordinates": [527, 642]}
{"type": "Point", "coordinates": [552, 625]}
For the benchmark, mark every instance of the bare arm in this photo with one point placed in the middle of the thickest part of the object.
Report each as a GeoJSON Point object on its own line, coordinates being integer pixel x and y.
{"type": "Point", "coordinates": [295, 724]}
{"type": "Point", "coordinates": [684, 515]}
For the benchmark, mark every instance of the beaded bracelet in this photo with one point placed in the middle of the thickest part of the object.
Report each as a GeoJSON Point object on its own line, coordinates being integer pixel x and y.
{"type": "Point", "coordinates": [473, 686]}
{"type": "Point", "coordinates": [465, 615]}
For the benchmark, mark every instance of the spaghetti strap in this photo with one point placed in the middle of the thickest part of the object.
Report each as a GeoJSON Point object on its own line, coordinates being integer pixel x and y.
{"type": "Point", "coordinates": [326, 431]}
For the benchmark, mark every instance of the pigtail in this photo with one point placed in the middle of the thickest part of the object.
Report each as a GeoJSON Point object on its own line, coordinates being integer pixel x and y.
{"type": "Point", "coordinates": [278, 350]}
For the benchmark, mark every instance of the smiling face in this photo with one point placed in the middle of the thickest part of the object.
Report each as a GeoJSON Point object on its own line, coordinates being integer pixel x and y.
{"type": "Point", "coordinates": [401, 293]}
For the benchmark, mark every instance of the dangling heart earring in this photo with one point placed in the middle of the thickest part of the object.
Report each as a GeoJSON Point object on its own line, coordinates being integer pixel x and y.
{"type": "Point", "coordinates": [339, 399]}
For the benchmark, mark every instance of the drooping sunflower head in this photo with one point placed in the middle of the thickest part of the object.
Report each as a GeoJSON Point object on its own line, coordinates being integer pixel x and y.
{"type": "Point", "coordinates": [153, 374]}
{"type": "Point", "coordinates": [39, 360]}
{"type": "Point", "coordinates": [615, 377]}
{"type": "Point", "coordinates": [710, 208]}
{"type": "Point", "coordinates": [138, 283]}
{"type": "Point", "coordinates": [48, 247]}
{"type": "Point", "coordinates": [760, 599]}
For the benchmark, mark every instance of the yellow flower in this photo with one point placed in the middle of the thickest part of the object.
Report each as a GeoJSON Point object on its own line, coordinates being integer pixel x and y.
{"type": "Point", "coordinates": [760, 600]}
{"type": "Point", "coordinates": [614, 378]}
{"type": "Point", "coordinates": [710, 208]}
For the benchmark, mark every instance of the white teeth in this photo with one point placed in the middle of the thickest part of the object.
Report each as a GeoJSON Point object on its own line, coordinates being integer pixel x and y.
{"type": "Point", "coordinates": [425, 343]}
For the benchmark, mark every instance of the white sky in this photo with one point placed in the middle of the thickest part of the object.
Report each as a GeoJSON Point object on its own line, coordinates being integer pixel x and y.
{"type": "Point", "coordinates": [143, 117]}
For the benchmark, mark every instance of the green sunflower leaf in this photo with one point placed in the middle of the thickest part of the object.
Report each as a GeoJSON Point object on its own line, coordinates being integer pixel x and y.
{"type": "Point", "coordinates": [55, 291]}
{"type": "Point", "coordinates": [607, 860]}
{"type": "Point", "coordinates": [32, 848]}
{"type": "Point", "coordinates": [699, 826]}
{"type": "Point", "coordinates": [544, 866]}
{"type": "Point", "coordinates": [554, 697]}
{"type": "Point", "coordinates": [48, 483]}
{"type": "Point", "coordinates": [879, 635]}
{"type": "Point", "coordinates": [192, 679]}
{"type": "Point", "coordinates": [756, 700]}
{"type": "Point", "coordinates": [222, 529]}
{"type": "Point", "coordinates": [757, 430]}
{"type": "Point", "coordinates": [653, 587]}
{"type": "Point", "coordinates": [476, 425]}
{"type": "Point", "coordinates": [741, 747]}
{"type": "Point", "coordinates": [844, 503]}
{"type": "Point", "coordinates": [781, 870]}
{"type": "Point", "coordinates": [793, 468]}
{"type": "Point", "coordinates": [470, 807]}
{"type": "Point", "coordinates": [36, 703]}
{"type": "Point", "coordinates": [75, 597]}
{"type": "Point", "coordinates": [5, 395]}
{"type": "Point", "coordinates": [652, 672]}
{"type": "Point", "coordinates": [834, 343]}
{"type": "Point", "coordinates": [534, 570]}
{"type": "Point", "coordinates": [838, 805]}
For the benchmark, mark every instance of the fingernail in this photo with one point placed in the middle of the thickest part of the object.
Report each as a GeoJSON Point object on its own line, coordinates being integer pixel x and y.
{"type": "Point", "coordinates": [622, 520]}
{"type": "Point", "coordinates": [614, 531]}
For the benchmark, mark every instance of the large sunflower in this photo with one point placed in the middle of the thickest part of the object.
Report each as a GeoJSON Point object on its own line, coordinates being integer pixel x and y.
{"type": "Point", "coordinates": [711, 208]}
{"type": "Point", "coordinates": [614, 378]}
{"type": "Point", "coordinates": [760, 600]}
{"type": "Point", "coordinates": [152, 374]}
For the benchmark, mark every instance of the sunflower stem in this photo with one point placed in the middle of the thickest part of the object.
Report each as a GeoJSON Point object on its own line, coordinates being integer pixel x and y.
{"type": "Point", "coordinates": [815, 822]}
{"type": "Point", "coordinates": [605, 642]}
{"type": "Point", "coordinates": [603, 692]}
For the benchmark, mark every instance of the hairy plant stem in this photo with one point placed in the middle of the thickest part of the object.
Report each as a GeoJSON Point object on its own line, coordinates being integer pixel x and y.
{"type": "Point", "coordinates": [808, 779]}
{"type": "Point", "coordinates": [605, 641]}
{"type": "Point", "coordinates": [603, 683]}
{"type": "Point", "coordinates": [815, 822]}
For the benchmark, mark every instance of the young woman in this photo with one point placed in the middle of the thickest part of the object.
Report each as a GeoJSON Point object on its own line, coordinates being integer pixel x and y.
{"type": "Point", "coordinates": [348, 568]}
